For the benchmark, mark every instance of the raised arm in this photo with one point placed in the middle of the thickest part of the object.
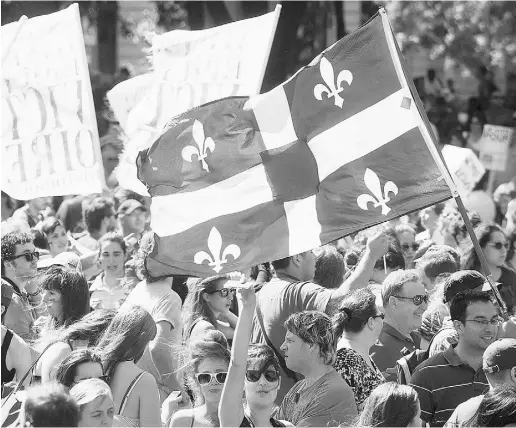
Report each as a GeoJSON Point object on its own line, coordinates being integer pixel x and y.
{"type": "Point", "coordinates": [231, 409]}
{"type": "Point", "coordinates": [375, 248]}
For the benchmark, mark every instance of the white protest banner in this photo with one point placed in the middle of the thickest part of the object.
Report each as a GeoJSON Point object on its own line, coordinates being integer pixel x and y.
{"type": "Point", "coordinates": [50, 143]}
{"type": "Point", "coordinates": [495, 147]}
{"type": "Point", "coordinates": [190, 68]}
{"type": "Point", "coordinates": [464, 167]}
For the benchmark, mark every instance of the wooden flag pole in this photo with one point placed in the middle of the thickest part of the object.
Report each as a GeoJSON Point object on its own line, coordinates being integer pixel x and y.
{"type": "Point", "coordinates": [21, 22]}
{"type": "Point", "coordinates": [423, 124]}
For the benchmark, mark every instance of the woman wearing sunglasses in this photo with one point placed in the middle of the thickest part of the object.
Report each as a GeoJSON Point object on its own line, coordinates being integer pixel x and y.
{"type": "Point", "coordinates": [206, 371]}
{"type": "Point", "coordinates": [207, 308]}
{"type": "Point", "coordinates": [253, 368]}
{"type": "Point", "coordinates": [358, 324]}
{"type": "Point", "coordinates": [494, 244]}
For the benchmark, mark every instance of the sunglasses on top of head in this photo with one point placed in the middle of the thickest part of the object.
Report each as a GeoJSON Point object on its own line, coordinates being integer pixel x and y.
{"type": "Point", "coordinates": [206, 378]}
{"type": "Point", "coordinates": [28, 256]}
{"type": "Point", "coordinates": [255, 375]}
{"type": "Point", "coordinates": [224, 292]}
{"type": "Point", "coordinates": [417, 300]}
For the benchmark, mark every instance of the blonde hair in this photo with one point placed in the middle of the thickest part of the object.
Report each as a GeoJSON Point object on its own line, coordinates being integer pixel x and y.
{"type": "Point", "coordinates": [88, 390]}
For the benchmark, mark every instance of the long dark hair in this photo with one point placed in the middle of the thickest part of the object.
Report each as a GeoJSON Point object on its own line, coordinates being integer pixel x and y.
{"type": "Point", "coordinates": [67, 369]}
{"type": "Point", "coordinates": [195, 307]}
{"type": "Point", "coordinates": [90, 328]}
{"type": "Point", "coordinates": [497, 408]}
{"type": "Point", "coordinates": [75, 296]}
{"type": "Point", "coordinates": [354, 311]}
{"type": "Point", "coordinates": [389, 405]}
{"type": "Point", "coordinates": [125, 338]}
{"type": "Point", "coordinates": [470, 260]}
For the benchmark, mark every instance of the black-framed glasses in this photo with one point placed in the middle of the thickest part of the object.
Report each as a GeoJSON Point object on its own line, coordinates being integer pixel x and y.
{"type": "Point", "coordinates": [418, 299]}
{"type": "Point", "coordinates": [206, 378]}
{"type": "Point", "coordinates": [224, 292]}
{"type": "Point", "coordinates": [485, 323]}
{"type": "Point", "coordinates": [380, 315]}
{"type": "Point", "coordinates": [499, 245]}
{"type": "Point", "coordinates": [406, 247]}
{"type": "Point", "coordinates": [255, 375]}
{"type": "Point", "coordinates": [28, 256]}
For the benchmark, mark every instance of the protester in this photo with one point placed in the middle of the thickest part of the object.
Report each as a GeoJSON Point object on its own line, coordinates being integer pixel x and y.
{"type": "Point", "coordinates": [33, 211]}
{"type": "Point", "coordinates": [135, 392]}
{"type": "Point", "coordinates": [391, 405]}
{"type": "Point", "coordinates": [290, 292]}
{"type": "Point", "coordinates": [49, 405]}
{"type": "Point", "coordinates": [494, 244]}
{"type": "Point", "coordinates": [80, 364]}
{"type": "Point", "coordinates": [106, 290]}
{"type": "Point", "coordinates": [407, 236]}
{"type": "Point", "coordinates": [404, 301]}
{"type": "Point", "coordinates": [432, 265]}
{"type": "Point", "coordinates": [497, 409]}
{"type": "Point", "coordinates": [329, 268]}
{"type": "Point", "coordinates": [57, 344]}
{"type": "Point", "coordinates": [510, 217]}
{"type": "Point", "coordinates": [55, 233]}
{"type": "Point", "coordinates": [16, 356]}
{"type": "Point", "coordinates": [132, 216]}
{"type": "Point", "coordinates": [99, 218]}
{"type": "Point", "coordinates": [502, 196]}
{"type": "Point", "coordinates": [357, 325]}
{"type": "Point", "coordinates": [207, 368]}
{"type": "Point", "coordinates": [19, 265]}
{"type": "Point", "coordinates": [7, 207]}
{"type": "Point", "coordinates": [157, 297]}
{"type": "Point", "coordinates": [499, 365]}
{"type": "Point", "coordinates": [70, 214]}
{"type": "Point", "coordinates": [455, 375]}
{"type": "Point", "coordinates": [255, 369]}
{"type": "Point", "coordinates": [429, 220]}
{"type": "Point", "coordinates": [95, 401]}
{"type": "Point", "coordinates": [322, 398]}
{"type": "Point", "coordinates": [206, 305]}
{"type": "Point", "coordinates": [391, 261]}
{"type": "Point", "coordinates": [511, 252]}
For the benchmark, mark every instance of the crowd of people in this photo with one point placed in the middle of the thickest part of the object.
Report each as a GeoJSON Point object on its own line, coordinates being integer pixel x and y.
{"type": "Point", "coordinates": [396, 325]}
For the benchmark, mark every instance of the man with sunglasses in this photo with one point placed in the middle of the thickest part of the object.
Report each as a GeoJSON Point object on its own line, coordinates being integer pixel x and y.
{"type": "Point", "coordinates": [19, 265]}
{"type": "Point", "coordinates": [451, 377]}
{"type": "Point", "coordinates": [404, 300]}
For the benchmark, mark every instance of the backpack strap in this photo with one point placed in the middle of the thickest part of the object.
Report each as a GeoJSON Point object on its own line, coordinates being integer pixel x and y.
{"type": "Point", "coordinates": [291, 374]}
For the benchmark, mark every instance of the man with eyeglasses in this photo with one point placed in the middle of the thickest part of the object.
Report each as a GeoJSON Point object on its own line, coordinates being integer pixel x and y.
{"type": "Point", "coordinates": [19, 265]}
{"type": "Point", "coordinates": [404, 300]}
{"type": "Point", "coordinates": [451, 377]}
{"type": "Point", "coordinates": [499, 364]}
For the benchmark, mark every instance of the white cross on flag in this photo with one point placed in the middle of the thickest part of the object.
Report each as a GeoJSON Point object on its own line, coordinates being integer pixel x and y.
{"type": "Point", "coordinates": [339, 147]}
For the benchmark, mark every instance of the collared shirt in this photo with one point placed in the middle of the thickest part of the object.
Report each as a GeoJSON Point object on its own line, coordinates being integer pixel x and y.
{"type": "Point", "coordinates": [388, 349]}
{"type": "Point", "coordinates": [443, 382]}
{"type": "Point", "coordinates": [464, 413]}
{"type": "Point", "coordinates": [104, 297]}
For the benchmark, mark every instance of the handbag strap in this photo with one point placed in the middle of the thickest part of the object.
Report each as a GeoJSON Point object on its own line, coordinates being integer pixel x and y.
{"type": "Point", "coordinates": [20, 383]}
{"type": "Point", "coordinates": [289, 373]}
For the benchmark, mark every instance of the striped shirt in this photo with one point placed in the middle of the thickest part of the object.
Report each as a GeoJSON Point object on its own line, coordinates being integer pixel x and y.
{"type": "Point", "coordinates": [443, 382]}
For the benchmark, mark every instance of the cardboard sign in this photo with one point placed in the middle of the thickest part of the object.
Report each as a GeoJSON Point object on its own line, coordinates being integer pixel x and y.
{"type": "Point", "coordinates": [50, 143]}
{"type": "Point", "coordinates": [495, 144]}
{"type": "Point", "coordinates": [464, 166]}
{"type": "Point", "coordinates": [190, 68]}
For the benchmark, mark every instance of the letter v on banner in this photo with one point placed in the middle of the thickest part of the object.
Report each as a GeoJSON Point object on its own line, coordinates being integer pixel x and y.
{"type": "Point", "coordinates": [424, 126]}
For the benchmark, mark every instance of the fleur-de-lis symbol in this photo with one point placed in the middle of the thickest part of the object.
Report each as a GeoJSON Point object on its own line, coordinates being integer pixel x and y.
{"type": "Point", "coordinates": [329, 78]}
{"type": "Point", "coordinates": [203, 144]}
{"type": "Point", "coordinates": [373, 184]}
{"type": "Point", "coordinates": [215, 245]}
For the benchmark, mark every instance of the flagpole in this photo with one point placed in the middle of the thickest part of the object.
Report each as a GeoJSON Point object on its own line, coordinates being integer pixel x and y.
{"type": "Point", "coordinates": [277, 12]}
{"type": "Point", "coordinates": [422, 119]}
{"type": "Point", "coordinates": [21, 23]}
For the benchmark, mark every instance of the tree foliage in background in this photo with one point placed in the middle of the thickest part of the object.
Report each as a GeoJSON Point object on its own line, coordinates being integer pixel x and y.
{"type": "Point", "coordinates": [473, 33]}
